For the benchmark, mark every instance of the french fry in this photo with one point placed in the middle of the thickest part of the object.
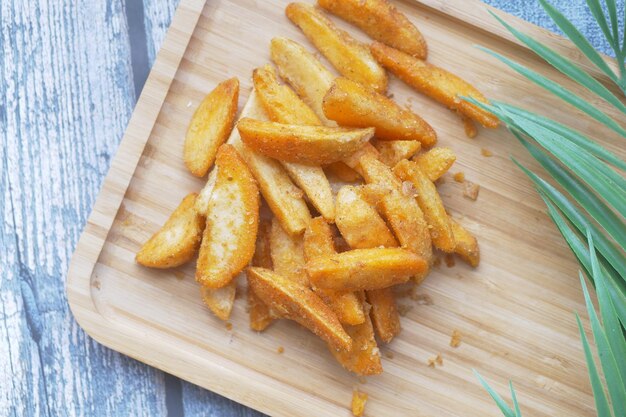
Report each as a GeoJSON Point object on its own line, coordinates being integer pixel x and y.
{"type": "Point", "coordinates": [287, 254]}
{"type": "Point", "coordinates": [203, 199]}
{"type": "Point", "coordinates": [384, 313]}
{"type": "Point", "coordinates": [304, 72]}
{"type": "Point", "coordinates": [342, 172]}
{"type": "Point", "coordinates": [434, 82]}
{"type": "Point", "coordinates": [259, 312]}
{"type": "Point", "coordinates": [177, 241]}
{"type": "Point", "coordinates": [220, 300]}
{"type": "Point", "coordinates": [359, 222]}
{"type": "Point", "coordinates": [436, 162]}
{"type": "Point", "coordinates": [350, 57]}
{"type": "Point", "coordinates": [285, 200]}
{"type": "Point", "coordinates": [354, 161]}
{"type": "Point", "coordinates": [318, 241]}
{"type": "Point", "coordinates": [210, 126]}
{"type": "Point", "coordinates": [232, 221]}
{"type": "Point", "coordinates": [466, 244]}
{"type": "Point", "coordinates": [390, 152]}
{"type": "Point", "coordinates": [381, 21]}
{"type": "Point", "coordinates": [430, 202]}
{"type": "Point", "coordinates": [282, 105]}
{"type": "Point", "coordinates": [354, 105]}
{"type": "Point", "coordinates": [297, 302]}
{"type": "Point", "coordinates": [364, 269]}
{"type": "Point", "coordinates": [302, 144]}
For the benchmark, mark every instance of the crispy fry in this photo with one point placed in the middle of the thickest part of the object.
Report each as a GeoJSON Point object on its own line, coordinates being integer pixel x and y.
{"type": "Point", "coordinates": [302, 144]}
{"type": "Point", "coordinates": [342, 172]}
{"type": "Point", "coordinates": [203, 199]}
{"type": "Point", "coordinates": [287, 254]}
{"type": "Point", "coordinates": [384, 313]}
{"type": "Point", "coordinates": [354, 105]}
{"type": "Point", "coordinates": [350, 57]}
{"type": "Point", "coordinates": [353, 161]}
{"type": "Point", "coordinates": [260, 314]}
{"type": "Point", "coordinates": [434, 82]}
{"type": "Point", "coordinates": [400, 209]}
{"type": "Point", "coordinates": [177, 241]}
{"type": "Point", "coordinates": [359, 222]}
{"type": "Point", "coordinates": [305, 73]}
{"type": "Point", "coordinates": [435, 162]}
{"type": "Point", "coordinates": [297, 302]}
{"type": "Point", "coordinates": [318, 241]}
{"type": "Point", "coordinates": [430, 202]}
{"type": "Point", "coordinates": [466, 244]}
{"type": "Point", "coordinates": [364, 269]}
{"type": "Point", "coordinates": [210, 126]}
{"type": "Point", "coordinates": [282, 105]}
{"type": "Point", "coordinates": [382, 21]}
{"type": "Point", "coordinates": [284, 199]}
{"type": "Point", "coordinates": [393, 151]}
{"type": "Point", "coordinates": [232, 222]}
{"type": "Point", "coordinates": [220, 300]}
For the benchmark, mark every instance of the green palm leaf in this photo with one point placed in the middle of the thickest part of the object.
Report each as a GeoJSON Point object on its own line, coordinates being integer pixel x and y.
{"type": "Point", "coordinates": [502, 405]}
{"type": "Point", "coordinates": [518, 413]}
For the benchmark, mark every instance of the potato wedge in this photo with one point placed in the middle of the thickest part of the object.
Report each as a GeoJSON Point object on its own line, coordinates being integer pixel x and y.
{"type": "Point", "coordinates": [435, 162]}
{"type": "Point", "coordinates": [282, 105]}
{"type": "Point", "coordinates": [260, 314]}
{"type": "Point", "coordinates": [304, 73]}
{"type": "Point", "coordinates": [350, 57]}
{"type": "Point", "coordinates": [319, 241]}
{"type": "Point", "coordinates": [297, 302]}
{"type": "Point", "coordinates": [285, 200]}
{"type": "Point", "coordinates": [466, 244]}
{"type": "Point", "coordinates": [381, 21]}
{"type": "Point", "coordinates": [287, 254]}
{"type": "Point", "coordinates": [177, 241]}
{"type": "Point", "coordinates": [434, 82]}
{"type": "Point", "coordinates": [210, 126]}
{"type": "Point", "coordinates": [312, 145]}
{"type": "Point", "coordinates": [353, 105]}
{"type": "Point", "coordinates": [220, 300]}
{"type": "Point", "coordinates": [364, 269]}
{"type": "Point", "coordinates": [229, 238]}
{"type": "Point", "coordinates": [359, 222]}
{"type": "Point", "coordinates": [430, 202]}
{"type": "Point", "coordinates": [384, 313]}
{"type": "Point", "coordinates": [342, 172]}
{"type": "Point", "coordinates": [390, 152]}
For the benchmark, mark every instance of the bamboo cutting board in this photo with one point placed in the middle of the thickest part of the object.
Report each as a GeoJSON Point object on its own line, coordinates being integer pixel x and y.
{"type": "Point", "coordinates": [515, 312]}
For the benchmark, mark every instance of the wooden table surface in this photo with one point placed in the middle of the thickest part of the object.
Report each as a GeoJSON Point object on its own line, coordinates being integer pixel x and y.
{"type": "Point", "coordinates": [70, 75]}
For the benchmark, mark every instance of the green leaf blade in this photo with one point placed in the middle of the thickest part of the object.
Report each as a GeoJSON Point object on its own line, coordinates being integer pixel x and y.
{"type": "Point", "coordinates": [502, 405]}
{"type": "Point", "coordinates": [518, 413]}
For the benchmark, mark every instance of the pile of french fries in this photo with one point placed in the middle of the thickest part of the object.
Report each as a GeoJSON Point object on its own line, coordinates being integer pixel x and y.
{"type": "Point", "coordinates": [325, 192]}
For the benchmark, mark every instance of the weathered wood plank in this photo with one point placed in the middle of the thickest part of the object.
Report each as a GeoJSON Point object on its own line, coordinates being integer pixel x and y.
{"type": "Point", "coordinates": [68, 94]}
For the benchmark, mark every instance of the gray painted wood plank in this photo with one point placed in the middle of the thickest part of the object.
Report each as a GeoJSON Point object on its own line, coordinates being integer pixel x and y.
{"type": "Point", "coordinates": [68, 94]}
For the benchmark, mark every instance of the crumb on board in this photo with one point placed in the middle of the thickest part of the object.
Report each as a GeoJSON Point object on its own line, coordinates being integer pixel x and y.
{"type": "Point", "coordinates": [229, 326]}
{"type": "Point", "coordinates": [96, 284]}
{"type": "Point", "coordinates": [180, 275]}
{"type": "Point", "coordinates": [459, 177]}
{"type": "Point", "coordinates": [280, 349]}
{"type": "Point", "coordinates": [450, 260]}
{"type": "Point", "coordinates": [403, 309]}
{"type": "Point", "coordinates": [423, 299]}
{"type": "Point", "coordinates": [358, 403]}
{"type": "Point", "coordinates": [470, 128]}
{"type": "Point", "coordinates": [471, 190]}
{"type": "Point", "coordinates": [389, 354]}
{"type": "Point", "coordinates": [455, 340]}
{"type": "Point", "coordinates": [486, 152]}
{"type": "Point", "coordinates": [435, 360]}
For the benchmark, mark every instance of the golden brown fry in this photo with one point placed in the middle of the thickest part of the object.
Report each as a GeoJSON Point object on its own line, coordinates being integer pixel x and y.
{"type": "Point", "coordinates": [342, 172]}
{"type": "Point", "coordinates": [354, 105]}
{"type": "Point", "coordinates": [358, 403]}
{"type": "Point", "coordinates": [364, 357]}
{"type": "Point", "coordinates": [297, 302]}
{"type": "Point", "coordinates": [177, 241]}
{"type": "Point", "coordinates": [430, 202]}
{"type": "Point", "coordinates": [232, 222]}
{"type": "Point", "coordinates": [466, 244]}
{"type": "Point", "coordinates": [384, 313]}
{"type": "Point", "coordinates": [353, 161]}
{"type": "Point", "coordinates": [210, 126]}
{"type": "Point", "coordinates": [318, 241]}
{"type": "Point", "coordinates": [302, 144]}
{"type": "Point", "coordinates": [287, 254]}
{"type": "Point", "coordinates": [382, 21]}
{"type": "Point", "coordinates": [393, 151]}
{"type": "Point", "coordinates": [359, 222]}
{"type": "Point", "coordinates": [305, 73]}
{"type": "Point", "coordinates": [220, 300]}
{"type": "Point", "coordinates": [203, 199]}
{"type": "Point", "coordinates": [350, 57]}
{"type": "Point", "coordinates": [260, 314]}
{"type": "Point", "coordinates": [364, 269]}
{"type": "Point", "coordinates": [434, 82]}
{"type": "Point", "coordinates": [435, 162]}
{"type": "Point", "coordinates": [284, 199]}
{"type": "Point", "coordinates": [282, 105]}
